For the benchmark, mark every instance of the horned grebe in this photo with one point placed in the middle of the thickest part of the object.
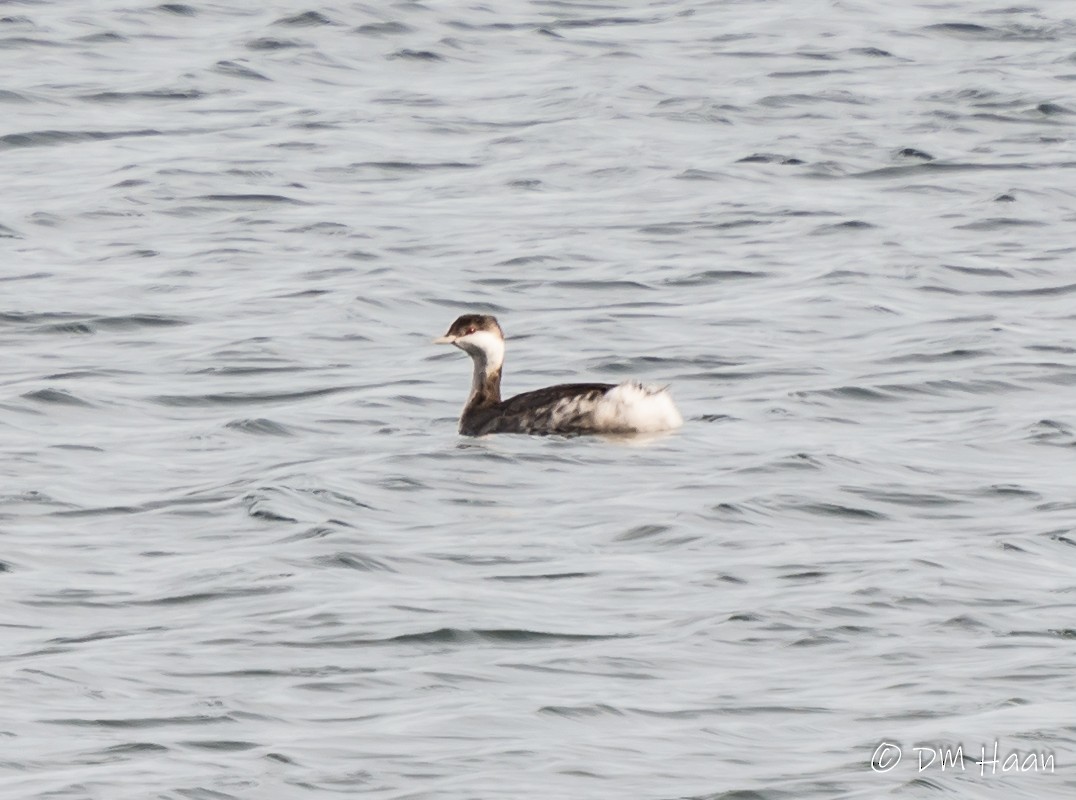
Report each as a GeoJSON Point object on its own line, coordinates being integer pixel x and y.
{"type": "Point", "coordinates": [567, 408]}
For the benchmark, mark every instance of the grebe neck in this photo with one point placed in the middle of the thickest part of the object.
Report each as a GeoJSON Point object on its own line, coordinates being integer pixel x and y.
{"type": "Point", "coordinates": [486, 383]}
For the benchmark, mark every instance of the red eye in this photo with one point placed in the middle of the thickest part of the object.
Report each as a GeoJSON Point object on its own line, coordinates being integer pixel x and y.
{"type": "Point", "coordinates": [470, 330]}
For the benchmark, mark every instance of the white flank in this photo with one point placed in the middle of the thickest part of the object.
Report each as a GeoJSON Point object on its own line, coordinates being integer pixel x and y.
{"type": "Point", "coordinates": [634, 408]}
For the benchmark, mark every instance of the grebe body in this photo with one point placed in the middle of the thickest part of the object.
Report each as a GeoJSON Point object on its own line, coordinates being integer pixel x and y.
{"type": "Point", "coordinates": [569, 408]}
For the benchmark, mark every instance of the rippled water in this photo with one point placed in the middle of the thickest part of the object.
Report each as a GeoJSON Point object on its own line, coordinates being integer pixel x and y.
{"type": "Point", "coordinates": [245, 553]}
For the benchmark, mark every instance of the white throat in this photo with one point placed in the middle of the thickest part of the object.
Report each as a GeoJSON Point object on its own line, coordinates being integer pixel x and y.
{"type": "Point", "coordinates": [487, 349]}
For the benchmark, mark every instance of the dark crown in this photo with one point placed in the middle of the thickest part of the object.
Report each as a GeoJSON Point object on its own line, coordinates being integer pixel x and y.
{"type": "Point", "coordinates": [479, 322]}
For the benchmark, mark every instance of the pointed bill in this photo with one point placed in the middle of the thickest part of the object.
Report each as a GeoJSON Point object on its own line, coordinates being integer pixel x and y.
{"type": "Point", "coordinates": [444, 340]}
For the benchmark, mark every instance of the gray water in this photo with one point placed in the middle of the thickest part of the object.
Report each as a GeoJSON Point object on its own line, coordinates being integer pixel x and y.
{"type": "Point", "coordinates": [244, 552]}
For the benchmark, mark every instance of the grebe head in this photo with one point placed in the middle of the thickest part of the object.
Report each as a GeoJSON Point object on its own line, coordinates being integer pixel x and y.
{"type": "Point", "coordinates": [476, 335]}
{"type": "Point", "coordinates": [479, 336]}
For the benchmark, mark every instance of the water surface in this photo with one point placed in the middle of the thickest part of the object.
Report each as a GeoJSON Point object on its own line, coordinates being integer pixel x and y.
{"type": "Point", "coordinates": [245, 553]}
